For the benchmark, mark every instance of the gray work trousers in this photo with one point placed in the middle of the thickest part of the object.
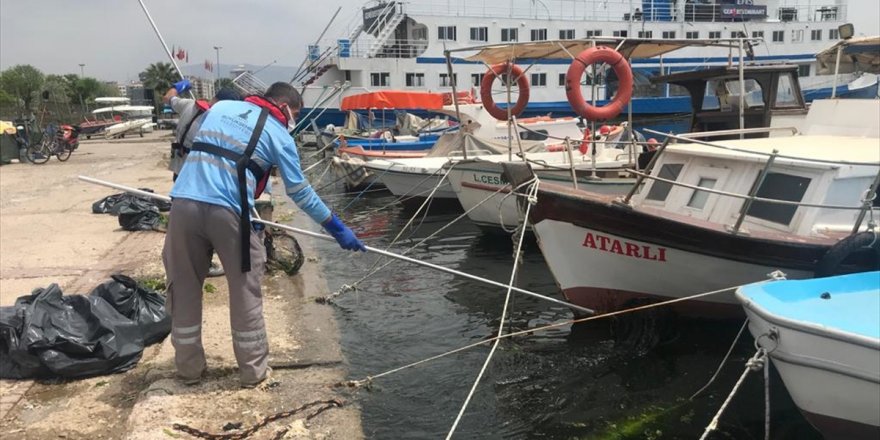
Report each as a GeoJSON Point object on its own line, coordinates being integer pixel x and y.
{"type": "Point", "coordinates": [194, 229]}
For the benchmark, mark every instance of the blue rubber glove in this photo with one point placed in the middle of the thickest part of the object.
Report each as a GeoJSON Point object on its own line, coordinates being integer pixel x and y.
{"type": "Point", "coordinates": [182, 86]}
{"type": "Point", "coordinates": [343, 235]}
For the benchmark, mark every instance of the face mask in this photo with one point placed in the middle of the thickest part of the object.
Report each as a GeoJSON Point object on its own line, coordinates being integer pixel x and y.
{"type": "Point", "coordinates": [291, 120]}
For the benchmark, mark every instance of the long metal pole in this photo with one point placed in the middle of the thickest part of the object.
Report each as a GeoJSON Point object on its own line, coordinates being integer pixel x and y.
{"type": "Point", "coordinates": [164, 46]}
{"type": "Point", "coordinates": [217, 49]}
{"type": "Point", "coordinates": [742, 91]}
{"type": "Point", "coordinates": [317, 41]}
{"type": "Point", "coordinates": [836, 71]}
{"type": "Point", "coordinates": [163, 197]}
{"type": "Point", "coordinates": [454, 97]}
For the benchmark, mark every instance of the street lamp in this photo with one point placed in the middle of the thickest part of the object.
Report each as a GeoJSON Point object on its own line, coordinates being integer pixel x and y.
{"type": "Point", "coordinates": [81, 71]}
{"type": "Point", "coordinates": [217, 48]}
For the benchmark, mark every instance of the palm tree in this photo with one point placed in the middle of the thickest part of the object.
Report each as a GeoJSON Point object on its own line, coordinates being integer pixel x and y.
{"type": "Point", "coordinates": [159, 77]}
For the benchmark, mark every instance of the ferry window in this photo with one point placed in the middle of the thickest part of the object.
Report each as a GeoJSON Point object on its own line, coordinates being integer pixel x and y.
{"type": "Point", "coordinates": [668, 34]}
{"type": "Point", "coordinates": [646, 34]}
{"type": "Point", "coordinates": [539, 79]}
{"type": "Point", "coordinates": [598, 33]}
{"type": "Point", "coordinates": [476, 79]}
{"type": "Point", "coordinates": [816, 35]}
{"type": "Point", "coordinates": [561, 79]}
{"type": "Point", "coordinates": [778, 36]}
{"type": "Point", "coordinates": [446, 33]}
{"type": "Point", "coordinates": [420, 33]}
{"type": "Point", "coordinates": [735, 34]}
{"type": "Point", "coordinates": [659, 190]}
{"type": "Point", "coordinates": [797, 35]}
{"type": "Point", "coordinates": [692, 35]}
{"type": "Point", "coordinates": [758, 34]}
{"type": "Point", "coordinates": [699, 198]}
{"type": "Point", "coordinates": [620, 34]}
{"type": "Point", "coordinates": [444, 79]}
{"type": "Point", "coordinates": [833, 34]}
{"type": "Point", "coordinates": [539, 34]}
{"type": "Point", "coordinates": [714, 35]}
{"type": "Point", "coordinates": [533, 135]}
{"type": "Point", "coordinates": [509, 34]}
{"type": "Point", "coordinates": [479, 34]}
{"type": "Point", "coordinates": [803, 70]}
{"type": "Point", "coordinates": [415, 79]}
{"type": "Point", "coordinates": [379, 79]}
{"type": "Point", "coordinates": [779, 186]}
{"type": "Point", "coordinates": [566, 34]}
{"type": "Point", "coordinates": [785, 92]}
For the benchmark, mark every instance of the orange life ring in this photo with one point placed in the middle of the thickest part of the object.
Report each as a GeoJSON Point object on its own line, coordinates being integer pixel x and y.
{"type": "Point", "coordinates": [599, 54]}
{"type": "Point", "coordinates": [486, 90]}
{"type": "Point", "coordinates": [585, 144]}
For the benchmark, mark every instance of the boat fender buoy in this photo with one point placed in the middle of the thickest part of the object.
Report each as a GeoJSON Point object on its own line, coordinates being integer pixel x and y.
{"type": "Point", "coordinates": [860, 245]}
{"type": "Point", "coordinates": [593, 55]}
{"type": "Point", "coordinates": [585, 143]}
{"type": "Point", "coordinates": [486, 90]}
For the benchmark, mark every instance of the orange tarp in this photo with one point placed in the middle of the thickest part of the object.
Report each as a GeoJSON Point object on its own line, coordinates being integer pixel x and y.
{"type": "Point", "coordinates": [393, 99]}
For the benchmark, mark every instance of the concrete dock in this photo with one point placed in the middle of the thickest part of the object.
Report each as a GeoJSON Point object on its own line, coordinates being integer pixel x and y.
{"type": "Point", "coordinates": [49, 235]}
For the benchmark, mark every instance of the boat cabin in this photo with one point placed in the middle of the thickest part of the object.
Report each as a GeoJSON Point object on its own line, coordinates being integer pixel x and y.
{"type": "Point", "coordinates": [821, 177]}
{"type": "Point", "coordinates": [772, 97]}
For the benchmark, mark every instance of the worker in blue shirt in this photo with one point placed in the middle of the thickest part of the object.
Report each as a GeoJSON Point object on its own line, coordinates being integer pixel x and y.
{"type": "Point", "coordinates": [237, 144]}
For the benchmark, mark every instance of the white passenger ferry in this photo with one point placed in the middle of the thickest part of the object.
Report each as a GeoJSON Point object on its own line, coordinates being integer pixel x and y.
{"type": "Point", "coordinates": [399, 45]}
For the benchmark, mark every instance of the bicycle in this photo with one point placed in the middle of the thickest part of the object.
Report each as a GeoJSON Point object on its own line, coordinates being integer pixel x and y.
{"type": "Point", "coordinates": [50, 145]}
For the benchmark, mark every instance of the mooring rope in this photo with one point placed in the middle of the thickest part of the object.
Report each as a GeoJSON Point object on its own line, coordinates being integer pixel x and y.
{"type": "Point", "coordinates": [372, 182]}
{"type": "Point", "coordinates": [369, 379]}
{"type": "Point", "coordinates": [757, 362]}
{"type": "Point", "coordinates": [517, 259]}
{"type": "Point", "coordinates": [723, 361]}
{"type": "Point", "coordinates": [375, 270]}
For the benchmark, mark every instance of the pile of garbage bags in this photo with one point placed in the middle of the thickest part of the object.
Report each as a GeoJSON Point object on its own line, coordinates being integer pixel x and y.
{"type": "Point", "coordinates": [136, 213]}
{"type": "Point", "coordinates": [47, 334]}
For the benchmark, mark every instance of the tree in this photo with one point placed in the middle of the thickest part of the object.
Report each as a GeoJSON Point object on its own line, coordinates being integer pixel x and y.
{"type": "Point", "coordinates": [160, 77]}
{"type": "Point", "coordinates": [23, 82]}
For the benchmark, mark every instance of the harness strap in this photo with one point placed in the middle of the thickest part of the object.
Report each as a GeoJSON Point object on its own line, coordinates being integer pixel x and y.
{"type": "Point", "coordinates": [179, 144]}
{"type": "Point", "coordinates": [252, 165]}
{"type": "Point", "coordinates": [243, 163]}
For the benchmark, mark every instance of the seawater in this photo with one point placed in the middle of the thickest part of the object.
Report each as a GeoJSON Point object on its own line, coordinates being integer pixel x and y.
{"type": "Point", "coordinates": [565, 383]}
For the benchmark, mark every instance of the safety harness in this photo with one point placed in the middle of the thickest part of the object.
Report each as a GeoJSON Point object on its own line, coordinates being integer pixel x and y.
{"type": "Point", "coordinates": [243, 163]}
{"type": "Point", "coordinates": [177, 147]}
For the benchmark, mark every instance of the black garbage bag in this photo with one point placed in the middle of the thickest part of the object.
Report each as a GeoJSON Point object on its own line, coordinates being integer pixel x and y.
{"type": "Point", "coordinates": [16, 362]}
{"type": "Point", "coordinates": [139, 216]}
{"type": "Point", "coordinates": [73, 336]}
{"type": "Point", "coordinates": [112, 204]}
{"type": "Point", "coordinates": [142, 305]}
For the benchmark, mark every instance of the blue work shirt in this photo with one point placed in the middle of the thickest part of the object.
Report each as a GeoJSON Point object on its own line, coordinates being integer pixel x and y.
{"type": "Point", "coordinates": [213, 179]}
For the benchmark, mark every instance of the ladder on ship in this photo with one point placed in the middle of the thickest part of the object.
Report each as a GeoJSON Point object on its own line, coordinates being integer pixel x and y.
{"type": "Point", "coordinates": [388, 28]}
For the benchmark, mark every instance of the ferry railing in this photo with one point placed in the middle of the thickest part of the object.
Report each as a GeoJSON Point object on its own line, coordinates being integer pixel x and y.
{"type": "Point", "coordinates": [591, 10]}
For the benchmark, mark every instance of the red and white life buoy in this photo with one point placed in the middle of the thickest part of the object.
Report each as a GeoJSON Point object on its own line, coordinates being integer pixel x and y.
{"type": "Point", "coordinates": [599, 54]}
{"type": "Point", "coordinates": [486, 90]}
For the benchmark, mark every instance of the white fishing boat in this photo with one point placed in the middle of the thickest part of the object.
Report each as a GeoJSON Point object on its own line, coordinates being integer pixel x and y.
{"type": "Point", "coordinates": [400, 45]}
{"type": "Point", "coordinates": [823, 336]}
{"type": "Point", "coordinates": [134, 126]}
{"type": "Point", "coordinates": [713, 215]}
{"type": "Point", "coordinates": [714, 99]}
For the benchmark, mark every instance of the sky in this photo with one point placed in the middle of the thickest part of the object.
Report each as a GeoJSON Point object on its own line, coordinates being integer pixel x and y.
{"type": "Point", "coordinates": [114, 40]}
